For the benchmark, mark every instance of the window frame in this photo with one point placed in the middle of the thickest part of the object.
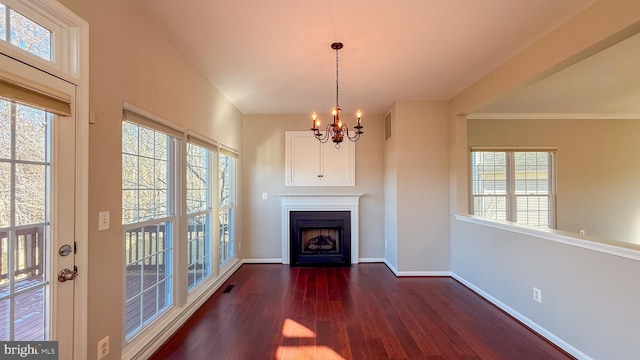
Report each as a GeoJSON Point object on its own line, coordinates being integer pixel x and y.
{"type": "Point", "coordinates": [171, 220]}
{"type": "Point", "coordinates": [224, 257]}
{"type": "Point", "coordinates": [209, 211]}
{"type": "Point", "coordinates": [510, 195]}
{"type": "Point", "coordinates": [64, 54]}
{"type": "Point", "coordinates": [71, 47]}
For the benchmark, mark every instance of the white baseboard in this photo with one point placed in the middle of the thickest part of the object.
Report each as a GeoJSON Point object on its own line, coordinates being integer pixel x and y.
{"type": "Point", "coordinates": [393, 270]}
{"type": "Point", "coordinates": [525, 320]}
{"type": "Point", "coordinates": [371, 260]}
{"type": "Point", "coordinates": [263, 261]}
{"type": "Point", "coordinates": [423, 273]}
{"type": "Point", "coordinates": [414, 273]}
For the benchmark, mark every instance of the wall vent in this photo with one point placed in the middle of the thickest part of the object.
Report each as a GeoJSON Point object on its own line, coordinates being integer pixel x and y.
{"type": "Point", "coordinates": [387, 126]}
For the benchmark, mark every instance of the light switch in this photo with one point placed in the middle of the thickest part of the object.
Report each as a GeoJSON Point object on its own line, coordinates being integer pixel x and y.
{"type": "Point", "coordinates": [264, 196]}
{"type": "Point", "coordinates": [104, 221]}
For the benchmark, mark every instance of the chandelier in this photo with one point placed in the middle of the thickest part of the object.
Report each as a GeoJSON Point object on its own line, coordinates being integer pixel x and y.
{"type": "Point", "coordinates": [337, 130]}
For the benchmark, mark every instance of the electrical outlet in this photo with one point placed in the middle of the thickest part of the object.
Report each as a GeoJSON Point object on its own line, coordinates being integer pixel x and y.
{"type": "Point", "coordinates": [385, 244]}
{"type": "Point", "coordinates": [240, 246]}
{"type": "Point", "coordinates": [104, 220]}
{"type": "Point", "coordinates": [537, 295]}
{"type": "Point", "coordinates": [103, 347]}
{"type": "Point", "coordinates": [582, 232]}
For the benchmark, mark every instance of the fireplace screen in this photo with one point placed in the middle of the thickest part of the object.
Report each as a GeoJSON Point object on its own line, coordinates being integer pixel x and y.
{"type": "Point", "coordinates": [320, 238]}
{"type": "Point", "coordinates": [320, 241]}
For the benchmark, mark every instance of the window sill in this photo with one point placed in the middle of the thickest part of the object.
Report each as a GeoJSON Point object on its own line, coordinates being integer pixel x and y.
{"type": "Point", "coordinates": [617, 248]}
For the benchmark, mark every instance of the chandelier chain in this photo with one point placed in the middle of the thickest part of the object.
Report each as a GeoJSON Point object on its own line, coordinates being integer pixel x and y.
{"type": "Point", "coordinates": [337, 87]}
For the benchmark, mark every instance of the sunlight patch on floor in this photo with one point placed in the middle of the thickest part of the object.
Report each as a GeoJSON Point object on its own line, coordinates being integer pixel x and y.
{"type": "Point", "coordinates": [306, 352]}
{"type": "Point", "coordinates": [292, 329]}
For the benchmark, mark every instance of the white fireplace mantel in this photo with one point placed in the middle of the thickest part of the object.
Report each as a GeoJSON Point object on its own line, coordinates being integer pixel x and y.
{"type": "Point", "coordinates": [320, 202]}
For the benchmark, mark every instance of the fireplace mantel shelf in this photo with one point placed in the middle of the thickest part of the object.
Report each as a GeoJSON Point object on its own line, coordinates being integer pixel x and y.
{"type": "Point", "coordinates": [320, 202]}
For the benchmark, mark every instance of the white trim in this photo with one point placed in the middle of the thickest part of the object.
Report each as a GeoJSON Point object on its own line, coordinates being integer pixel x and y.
{"type": "Point", "coordinates": [393, 269]}
{"type": "Point", "coordinates": [320, 202]}
{"type": "Point", "coordinates": [263, 261]}
{"type": "Point", "coordinates": [553, 116]}
{"type": "Point", "coordinates": [80, 326]}
{"type": "Point", "coordinates": [525, 320]}
{"type": "Point", "coordinates": [625, 250]}
{"type": "Point", "coordinates": [72, 66]}
{"type": "Point", "coordinates": [150, 341]}
{"type": "Point", "coordinates": [371, 260]}
{"type": "Point", "coordinates": [423, 273]}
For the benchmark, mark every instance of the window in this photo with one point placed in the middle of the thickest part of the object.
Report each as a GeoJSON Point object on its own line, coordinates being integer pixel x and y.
{"type": "Point", "coordinates": [148, 219]}
{"type": "Point", "coordinates": [25, 138]}
{"type": "Point", "coordinates": [199, 213]}
{"type": "Point", "coordinates": [176, 189]}
{"type": "Point", "coordinates": [516, 186]}
{"type": "Point", "coordinates": [24, 33]}
{"type": "Point", "coordinates": [226, 187]}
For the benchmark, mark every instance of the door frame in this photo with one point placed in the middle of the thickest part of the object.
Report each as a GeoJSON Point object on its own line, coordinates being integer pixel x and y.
{"type": "Point", "coordinates": [72, 66]}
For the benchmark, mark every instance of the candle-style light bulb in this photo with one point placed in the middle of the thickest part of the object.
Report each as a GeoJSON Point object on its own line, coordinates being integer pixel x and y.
{"type": "Point", "coordinates": [359, 114]}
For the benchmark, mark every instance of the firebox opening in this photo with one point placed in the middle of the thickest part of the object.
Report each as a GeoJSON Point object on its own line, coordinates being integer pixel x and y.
{"type": "Point", "coordinates": [320, 238]}
{"type": "Point", "coordinates": [320, 241]}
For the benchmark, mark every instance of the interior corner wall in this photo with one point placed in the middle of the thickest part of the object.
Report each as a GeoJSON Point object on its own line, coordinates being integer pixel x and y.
{"type": "Point", "coordinates": [421, 144]}
{"type": "Point", "coordinates": [130, 61]}
{"type": "Point", "coordinates": [263, 167]}
{"type": "Point", "coordinates": [391, 196]}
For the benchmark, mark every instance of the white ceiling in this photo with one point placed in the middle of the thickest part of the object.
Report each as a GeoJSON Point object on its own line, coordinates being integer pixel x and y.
{"type": "Point", "coordinates": [275, 56]}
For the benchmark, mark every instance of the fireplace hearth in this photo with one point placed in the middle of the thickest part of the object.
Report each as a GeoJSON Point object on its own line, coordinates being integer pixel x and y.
{"type": "Point", "coordinates": [320, 238]}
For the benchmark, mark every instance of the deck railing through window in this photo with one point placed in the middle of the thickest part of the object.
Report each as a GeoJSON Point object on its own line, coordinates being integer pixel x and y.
{"type": "Point", "coordinates": [28, 253]}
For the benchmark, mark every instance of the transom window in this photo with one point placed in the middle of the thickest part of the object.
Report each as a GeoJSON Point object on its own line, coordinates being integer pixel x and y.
{"type": "Point", "coordinates": [24, 33]}
{"type": "Point", "coordinates": [516, 186]}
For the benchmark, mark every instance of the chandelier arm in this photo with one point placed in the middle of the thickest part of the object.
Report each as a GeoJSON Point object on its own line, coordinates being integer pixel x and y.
{"type": "Point", "coordinates": [354, 138]}
{"type": "Point", "coordinates": [323, 138]}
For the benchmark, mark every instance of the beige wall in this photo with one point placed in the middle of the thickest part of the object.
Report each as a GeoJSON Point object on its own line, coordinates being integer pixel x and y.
{"type": "Point", "coordinates": [422, 185]}
{"type": "Point", "coordinates": [130, 61]}
{"type": "Point", "coordinates": [263, 150]}
{"type": "Point", "coordinates": [588, 305]}
{"type": "Point", "coordinates": [598, 171]}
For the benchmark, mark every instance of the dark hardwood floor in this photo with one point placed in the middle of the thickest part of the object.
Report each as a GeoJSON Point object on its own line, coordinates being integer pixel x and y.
{"type": "Point", "coordinates": [362, 312]}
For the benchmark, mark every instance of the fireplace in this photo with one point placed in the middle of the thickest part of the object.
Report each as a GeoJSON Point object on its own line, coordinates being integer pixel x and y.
{"type": "Point", "coordinates": [320, 238]}
{"type": "Point", "coordinates": [321, 203]}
